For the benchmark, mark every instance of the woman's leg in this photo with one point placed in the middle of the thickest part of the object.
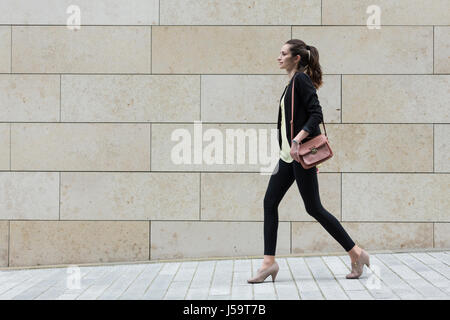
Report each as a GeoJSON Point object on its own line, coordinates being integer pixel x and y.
{"type": "Point", "coordinates": [279, 183]}
{"type": "Point", "coordinates": [309, 189]}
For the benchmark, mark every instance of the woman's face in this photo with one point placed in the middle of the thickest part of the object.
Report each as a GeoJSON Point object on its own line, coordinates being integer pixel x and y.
{"type": "Point", "coordinates": [285, 60]}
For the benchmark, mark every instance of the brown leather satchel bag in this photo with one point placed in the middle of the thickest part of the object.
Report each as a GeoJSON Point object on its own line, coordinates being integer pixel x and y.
{"type": "Point", "coordinates": [314, 151]}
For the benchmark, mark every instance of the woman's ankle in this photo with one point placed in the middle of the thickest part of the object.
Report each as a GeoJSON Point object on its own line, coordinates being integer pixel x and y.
{"type": "Point", "coordinates": [355, 252]}
{"type": "Point", "coordinates": [268, 261]}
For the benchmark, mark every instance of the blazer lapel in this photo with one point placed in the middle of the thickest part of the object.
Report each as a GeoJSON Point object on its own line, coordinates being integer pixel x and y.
{"type": "Point", "coordinates": [287, 111]}
{"type": "Point", "coordinates": [283, 94]}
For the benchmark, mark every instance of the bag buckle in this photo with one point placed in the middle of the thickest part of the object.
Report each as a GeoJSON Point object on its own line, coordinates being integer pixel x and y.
{"type": "Point", "coordinates": [313, 150]}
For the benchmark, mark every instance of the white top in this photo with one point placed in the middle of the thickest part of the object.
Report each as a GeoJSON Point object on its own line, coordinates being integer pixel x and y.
{"type": "Point", "coordinates": [285, 148]}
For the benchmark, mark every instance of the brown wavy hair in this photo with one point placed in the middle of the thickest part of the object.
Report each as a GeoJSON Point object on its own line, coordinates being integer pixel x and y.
{"type": "Point", "coordinates": [307, 62]}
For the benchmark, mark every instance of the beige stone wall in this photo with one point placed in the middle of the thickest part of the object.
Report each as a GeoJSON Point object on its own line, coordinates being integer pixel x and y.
{"type": "Point", "coordinates": [86, 118]}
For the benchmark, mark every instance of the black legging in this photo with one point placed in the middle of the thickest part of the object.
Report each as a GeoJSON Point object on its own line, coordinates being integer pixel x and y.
{"type": "Point", "coordinates": [308, 186]}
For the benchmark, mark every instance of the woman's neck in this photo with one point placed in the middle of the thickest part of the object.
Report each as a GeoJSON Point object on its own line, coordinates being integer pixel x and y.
{"type": "Point", "coordinates": [293, 72]}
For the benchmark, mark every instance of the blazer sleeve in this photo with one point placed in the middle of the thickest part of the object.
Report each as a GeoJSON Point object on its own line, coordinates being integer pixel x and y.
{"type": "Point", "coordinates": [311, 101]}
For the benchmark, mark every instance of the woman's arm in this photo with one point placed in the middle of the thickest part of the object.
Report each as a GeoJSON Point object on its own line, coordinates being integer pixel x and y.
{"type": "Point", "coordinates": [309, 95]}
{"type": "Point", "coordinates": [301, 135]}
{"type": "Point", "coordinates": [313, 108]}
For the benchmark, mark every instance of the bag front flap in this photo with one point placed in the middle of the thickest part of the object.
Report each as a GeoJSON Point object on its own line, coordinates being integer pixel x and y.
{"type": "Point", "coordinates": [314, 143]}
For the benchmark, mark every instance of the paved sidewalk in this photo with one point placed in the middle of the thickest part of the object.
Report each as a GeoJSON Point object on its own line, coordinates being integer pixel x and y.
{"type": "Point", "coordinates": [403, 275]}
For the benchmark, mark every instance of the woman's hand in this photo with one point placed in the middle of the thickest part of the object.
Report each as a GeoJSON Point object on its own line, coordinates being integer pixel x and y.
{"type": "Point", "coordinates": [294, 151]}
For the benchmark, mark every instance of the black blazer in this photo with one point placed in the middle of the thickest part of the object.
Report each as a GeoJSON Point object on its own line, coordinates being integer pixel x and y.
{"type": "Point", "coordinates": [307, 110]}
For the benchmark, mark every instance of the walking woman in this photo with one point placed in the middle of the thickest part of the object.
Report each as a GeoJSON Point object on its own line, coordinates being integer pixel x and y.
{"type": "Point", "coordinates": [301, 63]}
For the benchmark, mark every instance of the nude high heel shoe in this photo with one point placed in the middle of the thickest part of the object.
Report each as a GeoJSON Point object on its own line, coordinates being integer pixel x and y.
{"type": "Point", "coordinates": [358, 265]}
{"type": "Point", "coordinates": [262, 275]}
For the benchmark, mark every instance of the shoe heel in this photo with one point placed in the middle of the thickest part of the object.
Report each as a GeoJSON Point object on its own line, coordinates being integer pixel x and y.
{"type": "Point", "coordinates": [274, 275]}
{"type": "Point", "coordinates": [367, 262]}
